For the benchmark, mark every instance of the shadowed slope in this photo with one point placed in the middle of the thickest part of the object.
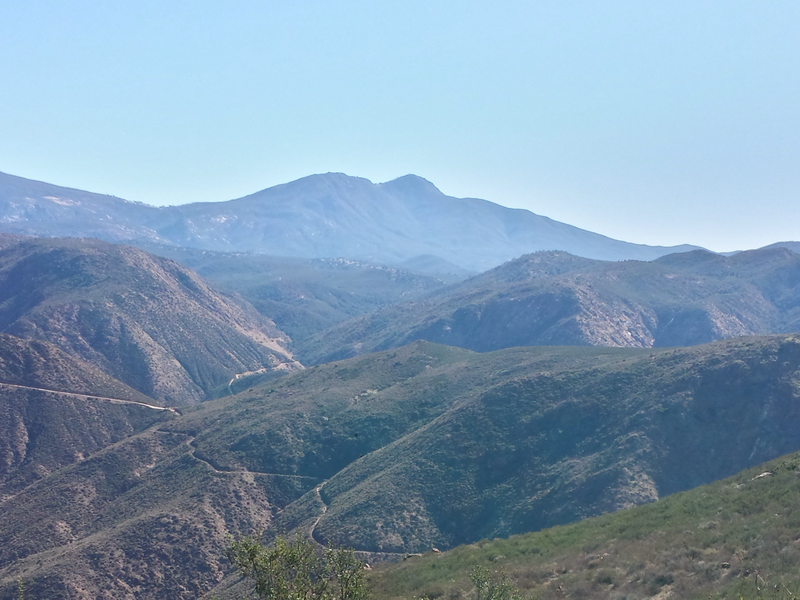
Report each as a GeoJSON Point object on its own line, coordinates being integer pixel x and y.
{"type": "Point", "coordinates": [736, 538]}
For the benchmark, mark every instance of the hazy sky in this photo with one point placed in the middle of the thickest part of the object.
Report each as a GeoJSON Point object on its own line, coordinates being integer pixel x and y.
{"type": "Point", "coordinates": [654, 122]}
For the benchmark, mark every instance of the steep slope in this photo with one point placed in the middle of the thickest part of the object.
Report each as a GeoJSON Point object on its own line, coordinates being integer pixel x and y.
{"type": "Point", "coordinates": [304, 296]}
{"type": "Point", "coordinates": [736, 538]}
{"type": "Point", "coordinates": [40, 365]}
{"type": "Point", "coordinates": [145, 320]}
{"type": "Point", "coordinates": [56, 410]}
{"type": "Point", "coordinates": [321, 216]}
{"type": "Point", "coordinates": [398, 451]}
{"type": "Point", "coordinates": [555, 298]}
{"type": "Point", "coordinates": [142, 518]}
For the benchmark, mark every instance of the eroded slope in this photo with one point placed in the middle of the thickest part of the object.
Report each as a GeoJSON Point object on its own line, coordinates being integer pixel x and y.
{"type": "Point", "coordinates": [147, 321]}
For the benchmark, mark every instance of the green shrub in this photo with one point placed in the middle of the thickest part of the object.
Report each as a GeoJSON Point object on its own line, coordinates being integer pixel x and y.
{"type": "Point", "coordinates": [298, 570]}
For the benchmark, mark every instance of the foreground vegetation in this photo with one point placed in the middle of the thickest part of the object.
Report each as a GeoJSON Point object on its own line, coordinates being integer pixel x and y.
{"type": "Point", "coordinates": [298, 570]}
{"type": "Point", "coordinates": [736, 538]}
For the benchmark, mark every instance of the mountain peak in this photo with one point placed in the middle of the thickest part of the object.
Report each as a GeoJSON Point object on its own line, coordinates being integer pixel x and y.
{"type": "Point", "coordinates": [411, 184]}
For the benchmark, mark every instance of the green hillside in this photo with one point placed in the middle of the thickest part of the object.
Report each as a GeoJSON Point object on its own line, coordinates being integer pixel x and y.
{"type": "Point", "coordinates": [735, 538]}
{"type": "Point", "coordinates": [542, 446]}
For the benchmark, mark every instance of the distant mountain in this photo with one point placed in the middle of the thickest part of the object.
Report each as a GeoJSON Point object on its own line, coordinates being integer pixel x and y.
{"type": "Point", "coordinates": [7, 239]}
{"type": "Point", "coordinates": [553, 298]}
{"type": "Point", "coordinates": [399, 451]}
{"type": "Point", "coordinates": [145, 320]}
{"type": "Point", "coordinates": [793, 246]}
{"type": "Point", "coordinates": [321, 216]}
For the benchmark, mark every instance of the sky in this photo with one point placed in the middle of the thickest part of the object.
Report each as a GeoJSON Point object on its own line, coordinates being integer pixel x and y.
{"type": "Point", "coordinates": [648, 121]}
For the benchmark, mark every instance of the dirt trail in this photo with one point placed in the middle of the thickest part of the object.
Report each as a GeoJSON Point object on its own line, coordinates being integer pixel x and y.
{"type": "Point", "coordinates": [90, 397]}
{"type": "Point", "coordinates": [364, 554]}
{"type": "Point", "coordinates": [226, 471]}
{"type": "Point", "coordinates": [323, 510]}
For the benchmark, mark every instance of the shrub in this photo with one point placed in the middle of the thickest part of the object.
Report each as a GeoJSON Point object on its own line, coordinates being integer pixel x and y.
{"type": "Point", "coordinates": [298, 570]}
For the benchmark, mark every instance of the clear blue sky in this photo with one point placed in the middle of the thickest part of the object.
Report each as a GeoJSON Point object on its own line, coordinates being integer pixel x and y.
{"type": "Point", "coordinates": [649, 121]}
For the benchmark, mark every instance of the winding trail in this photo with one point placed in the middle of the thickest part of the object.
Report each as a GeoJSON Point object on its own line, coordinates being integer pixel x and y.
{"type": "Point", "coordinates": [220, 469]}
{"type": "Point", "coordinates": [90, 397]}
{"type": "Point", "coordinates": [367, 555]}
{"type": "Point", "coordinates": [323, 510]}
{"type": "Point", "coordinates": [246, 374]}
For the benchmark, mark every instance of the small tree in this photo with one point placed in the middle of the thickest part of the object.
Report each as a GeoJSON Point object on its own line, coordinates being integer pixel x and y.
{"type": "Point", "coordinates": [349, 582]}
{"type": "Point", "coordinates": [297, 570]}
{"type": "Point", "coordinates": [490, 586]}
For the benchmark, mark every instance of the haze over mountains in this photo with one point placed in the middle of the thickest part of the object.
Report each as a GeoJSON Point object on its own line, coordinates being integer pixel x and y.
{"type": "Point", "coordinates": [305, 296]}
{"type": "Point", "coordinates": [321, 216]}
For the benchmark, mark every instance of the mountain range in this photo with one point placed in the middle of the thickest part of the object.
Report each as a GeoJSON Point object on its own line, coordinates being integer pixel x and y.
{"type": "Point", "coordinates": [554, 298]}
{"type": "Point", "coordinates": [407, 221]}
{"type": "Point", "coordinates": [384, 367]}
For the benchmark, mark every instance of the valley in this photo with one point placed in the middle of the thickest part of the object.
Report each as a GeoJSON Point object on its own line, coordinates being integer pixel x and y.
{"type": "Point", "coordinates": [553, 298]}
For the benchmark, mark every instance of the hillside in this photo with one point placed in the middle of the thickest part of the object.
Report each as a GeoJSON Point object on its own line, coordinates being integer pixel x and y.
{"type": "Point", "coordinates": [399, 451]}
{"type": "Point", "coordinates": [554, 298]}
{"type": "Point", "coordinates": [545, 446]}
{"type": "Point", "coordinates": [144, 320]}
{"type": "Point", "coordinates": [320, 216]}
{"type": "Point", "coordinates": [736, 538]}
{"type": "Point", "coordinates": [56, 409]}
{"type": "Point", "coordinates": [36, 364]}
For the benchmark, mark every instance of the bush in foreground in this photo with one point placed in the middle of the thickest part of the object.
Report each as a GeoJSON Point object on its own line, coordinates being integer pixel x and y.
{"type": "Point", "coordinates": [298, 570]}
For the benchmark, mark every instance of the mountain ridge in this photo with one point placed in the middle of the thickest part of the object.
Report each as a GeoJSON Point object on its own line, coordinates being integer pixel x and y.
{"type": "Point", "coordinates": [319, 216]}
{"type": "Point", "coordinates": [143, 319]}
{"type": "Point", "coordinates": [554, 298]}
